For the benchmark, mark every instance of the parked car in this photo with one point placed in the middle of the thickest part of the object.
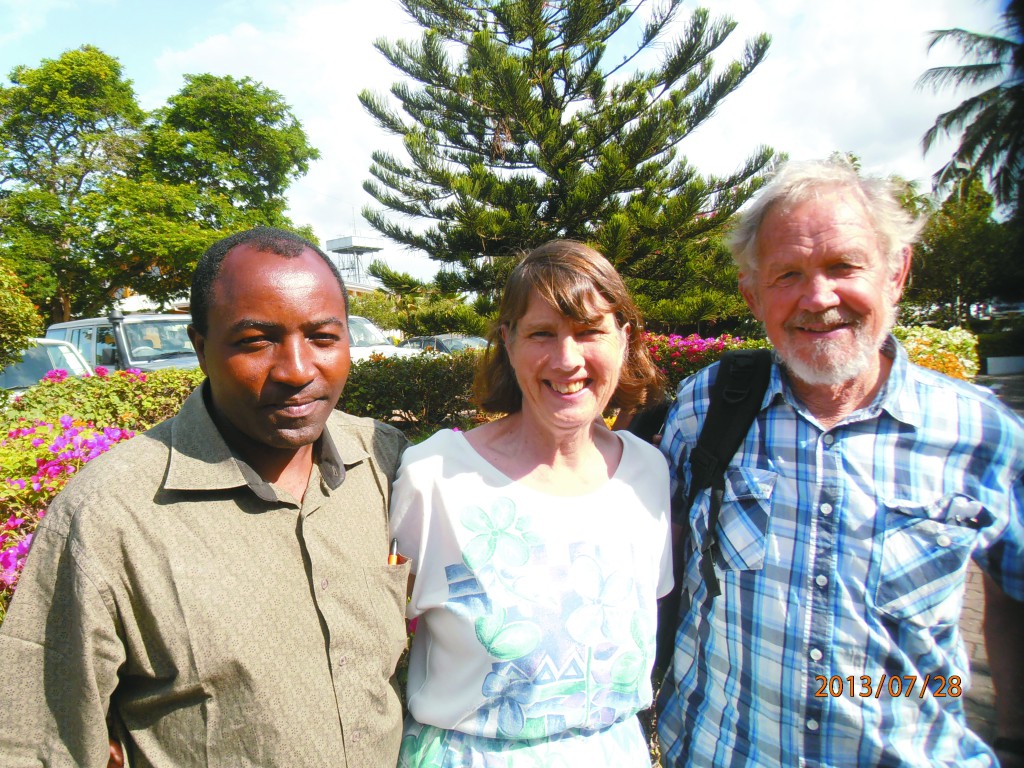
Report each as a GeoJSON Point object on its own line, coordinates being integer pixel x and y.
{"type": "Point", "coordinates": [445, 343]}
{"type": "Point", "coordinates": [365, 339]}
{"type": "Point", "coordinates": [38, 359]}
{"type": "Point", "coordinates": [144, 341]}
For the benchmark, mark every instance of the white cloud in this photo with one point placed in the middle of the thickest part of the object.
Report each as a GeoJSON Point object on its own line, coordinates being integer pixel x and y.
{"type": "Point", "coordinates": [840, 76]}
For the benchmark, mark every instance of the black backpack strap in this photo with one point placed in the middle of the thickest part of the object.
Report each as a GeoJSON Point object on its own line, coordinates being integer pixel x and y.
{"type": "Point", "coordinates": [743, 377]}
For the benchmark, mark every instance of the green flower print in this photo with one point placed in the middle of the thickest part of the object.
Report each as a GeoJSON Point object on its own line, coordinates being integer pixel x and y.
{"type": "Point", "coordinates": [501, 537]}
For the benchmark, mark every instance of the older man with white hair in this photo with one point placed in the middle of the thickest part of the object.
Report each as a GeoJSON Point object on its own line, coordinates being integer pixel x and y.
{"type": "Point", "coordinates": [850, 513]}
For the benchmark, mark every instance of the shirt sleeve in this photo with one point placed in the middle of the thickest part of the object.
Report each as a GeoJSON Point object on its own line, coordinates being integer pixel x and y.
{"type": "Point", "coordinates": [1006, 555]}
{"type": "Point", "coordinates": [60, 641]}
{"type": "Point", "coordinates": [410, 517]}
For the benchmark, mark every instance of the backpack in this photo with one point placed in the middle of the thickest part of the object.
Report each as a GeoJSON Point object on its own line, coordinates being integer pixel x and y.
{"type": "Point", "coordinates": [736, 396]}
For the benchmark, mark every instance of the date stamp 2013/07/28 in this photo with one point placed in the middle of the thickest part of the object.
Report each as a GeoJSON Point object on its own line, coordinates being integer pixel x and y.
{"type": "Point", "coordinates": [866, 686]}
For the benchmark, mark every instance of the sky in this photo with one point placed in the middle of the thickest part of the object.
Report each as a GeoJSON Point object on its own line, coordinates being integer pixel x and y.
{"type": "Point", "coordinates": [840, 75]}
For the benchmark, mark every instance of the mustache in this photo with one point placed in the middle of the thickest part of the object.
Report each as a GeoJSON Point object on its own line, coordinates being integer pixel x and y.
{"type": "Point", "coordinates": [833, 316]}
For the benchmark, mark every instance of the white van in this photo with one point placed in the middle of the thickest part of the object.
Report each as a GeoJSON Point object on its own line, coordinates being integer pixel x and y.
{"type": "Point", "coordinates": [144, 341]}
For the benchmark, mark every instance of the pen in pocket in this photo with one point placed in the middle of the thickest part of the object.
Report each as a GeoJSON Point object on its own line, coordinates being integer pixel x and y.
{"type": "Point", "coordinates": [393, 553]}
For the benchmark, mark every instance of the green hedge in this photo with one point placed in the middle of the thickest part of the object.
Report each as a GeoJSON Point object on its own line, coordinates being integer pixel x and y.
{"type": "Point", "coordinates": [422, 392]}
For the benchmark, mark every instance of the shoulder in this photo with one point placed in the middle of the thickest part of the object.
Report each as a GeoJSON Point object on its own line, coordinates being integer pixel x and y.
{"type": "Point", "coordinates": [382, 441]}
{"type": "Point", "coordinates": [941, 394]}
{"type": "Point", "coordinates": [640, 451]}
{"type": "Point", "coordinates": [111, 486]}
{"type": "Point", "coordinates": [693, 397]}
{"type": "Point", "coordinates": [424, 456]}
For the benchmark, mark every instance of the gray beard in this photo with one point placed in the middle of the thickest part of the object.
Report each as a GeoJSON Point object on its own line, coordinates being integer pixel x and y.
{"type": "Point", "coordinates": [831, 364]}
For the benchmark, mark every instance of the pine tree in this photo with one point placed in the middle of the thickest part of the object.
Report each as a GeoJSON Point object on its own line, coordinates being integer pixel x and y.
{"type": "Point", "coordinates": [525, 122]}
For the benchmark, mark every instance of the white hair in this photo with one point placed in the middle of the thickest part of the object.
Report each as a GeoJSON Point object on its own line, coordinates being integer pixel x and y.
{"type": "Point", "coordinates": [797, 182]}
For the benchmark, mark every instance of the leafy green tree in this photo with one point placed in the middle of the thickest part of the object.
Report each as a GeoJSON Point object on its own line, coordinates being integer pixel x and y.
{"type": "Point", "coordinates": [64, 127]}
{"type": "Point", "coordinates": [990, 124]}
{"type": "Point", "coordinates": [234, 138]}
{"type": "Point", "coordinates": [19, 320]}
{"type": "Point", "coordinates": [378, 307]}
{"type": "Point", "coordinates": [93, 199]}
{"type": "Point", "coordinates": [422, 308]}
{"type": "Point", "coordinates": [959, 257]}
{"type": "Point", "coordinates": [525, 123]}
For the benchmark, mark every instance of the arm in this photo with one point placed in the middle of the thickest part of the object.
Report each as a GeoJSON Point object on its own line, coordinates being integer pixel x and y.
{"type": "Point", "coordinates": [62, 641]}
{"type": "Point", "coordinates": [1004, 639]}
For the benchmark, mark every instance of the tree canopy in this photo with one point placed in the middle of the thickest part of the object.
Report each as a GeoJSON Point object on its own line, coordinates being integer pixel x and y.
{"type": "Point", "coordinates": [961, 257]}
{"type": "Point", "coordinates": [990, 125]}
{"type": "Point", "coordinates": [528, 120]}
{"type": "Point", "coordinates": [19, 320]}
{"type": "Point", "coordinates": [96, 195]}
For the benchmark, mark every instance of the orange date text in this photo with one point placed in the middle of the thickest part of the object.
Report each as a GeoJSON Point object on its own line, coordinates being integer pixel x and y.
{"type": "Point", "coordinates": [867, 686]}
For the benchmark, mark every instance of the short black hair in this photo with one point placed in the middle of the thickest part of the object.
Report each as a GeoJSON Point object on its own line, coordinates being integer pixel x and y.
{"type": "Point", "coordinates": [266, 239]}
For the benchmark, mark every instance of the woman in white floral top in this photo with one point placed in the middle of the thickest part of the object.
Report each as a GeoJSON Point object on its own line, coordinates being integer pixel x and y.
{"type": "Point", "coordinates": [540, 541]}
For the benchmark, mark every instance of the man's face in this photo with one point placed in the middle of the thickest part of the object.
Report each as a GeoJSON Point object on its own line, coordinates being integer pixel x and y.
{"type": "Point", "coordinates": [276, 348]}
{"type": "Point", "coordinates": [823, 289]}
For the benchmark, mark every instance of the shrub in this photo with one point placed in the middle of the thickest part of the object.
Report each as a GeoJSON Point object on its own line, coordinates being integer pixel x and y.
{"type": "Point", "coordinates": [682, 356]}
{"type": "Point", "coordinates": [38, 459]}
{"type": "Point", "coordinates": [127, 399]}
{"type": "Point", "coordinates": [425, 391]}
{"type": "Point", "coordinates": [1006, 343]}
{"type": "Point", "coordinates": [953, 352]}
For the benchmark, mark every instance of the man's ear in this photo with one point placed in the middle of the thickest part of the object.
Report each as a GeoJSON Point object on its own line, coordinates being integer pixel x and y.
{"type": "Point", "coordinates": [750, 295]}
{"type": "Point", "coordinates": [198, 344]}
{"type": "Point", "coordinates": [900, 275]}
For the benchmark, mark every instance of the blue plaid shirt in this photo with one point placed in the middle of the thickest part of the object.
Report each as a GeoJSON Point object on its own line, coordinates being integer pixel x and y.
{"type": "Point", "coordinates": [842, 557]}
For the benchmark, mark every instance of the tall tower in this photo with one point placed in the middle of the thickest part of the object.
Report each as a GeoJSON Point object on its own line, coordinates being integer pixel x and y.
{"type": "Point", "coordinates": [349, 259]}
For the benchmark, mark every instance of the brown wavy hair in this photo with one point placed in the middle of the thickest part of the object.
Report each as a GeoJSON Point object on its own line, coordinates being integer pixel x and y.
{"type": "Point", "coordinates": [579, 282]}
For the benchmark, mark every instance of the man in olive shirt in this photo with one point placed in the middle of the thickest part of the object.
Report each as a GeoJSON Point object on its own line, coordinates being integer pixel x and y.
{"type": "Point", "coordinates": [217, 591]}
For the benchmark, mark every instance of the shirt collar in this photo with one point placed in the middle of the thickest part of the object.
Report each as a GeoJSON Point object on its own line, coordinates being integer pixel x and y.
{"type": "Point", "coordinates": [201, 460]}
{"type": "Point", "coordinates": [895, 397]}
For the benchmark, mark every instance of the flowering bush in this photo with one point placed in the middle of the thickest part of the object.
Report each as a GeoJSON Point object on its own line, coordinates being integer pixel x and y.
{"type": "Point", "coordinates": [127, 399]}
{"type": "Point", "coordinates": [953, 352]}
{"type": "Point", "coordinates": [37, 460]}
{"type": "Point", "coordinates": [680, 356]}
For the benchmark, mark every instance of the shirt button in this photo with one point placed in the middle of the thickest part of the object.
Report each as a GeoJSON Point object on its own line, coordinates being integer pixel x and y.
{"type": "Point", "coordinates": [943, 540]}
{"type": "Point", "coordinates": [821, 580]}
{"type": "Point", "coordinates": [812, 725]}
{"type": "Point", "coordinates": [826, 508]}
{"type": "Point", "coordinates": [323, 584]}
{"type": "Point", "coordinates": [829, 439]}
{"type": "Point", "coordinates": [815, 654]}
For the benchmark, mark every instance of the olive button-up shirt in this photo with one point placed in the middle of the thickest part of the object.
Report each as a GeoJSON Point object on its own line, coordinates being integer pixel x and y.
{"type": "Point", "coordinates": [204, 615]}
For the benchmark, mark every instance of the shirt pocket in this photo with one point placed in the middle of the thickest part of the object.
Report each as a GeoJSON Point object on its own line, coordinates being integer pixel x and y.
{"type": "Point", "coordinates": [925, 552]}
{"type": "Point", "coordinates": [387, 586]}
{"type": "Point", "coordinates": [742, 521]}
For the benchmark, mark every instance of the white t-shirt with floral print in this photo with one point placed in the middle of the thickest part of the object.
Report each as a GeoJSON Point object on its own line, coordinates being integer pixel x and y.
{"type": "Point", "coordinates": [536, 613]}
